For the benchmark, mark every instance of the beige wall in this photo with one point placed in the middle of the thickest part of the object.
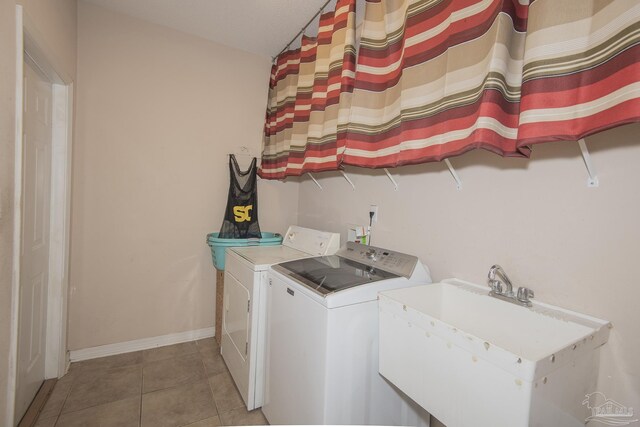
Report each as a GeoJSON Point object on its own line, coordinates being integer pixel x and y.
{"type": "Point", "coordinates": [158, 111]}
{"type": "Point", "coordinates": [577, 247]}
{"type": "Point", "coordinates": [57, 25]}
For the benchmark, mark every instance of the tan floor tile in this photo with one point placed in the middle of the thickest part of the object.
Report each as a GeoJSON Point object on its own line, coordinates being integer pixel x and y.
{"type": "Point", "coordinates": [109, 362]}
{"type": "Point", "coordinates": [178, 406]}
{"type": "Point", "coordinates": [208, 347]}
{"type": "Point", "coordinates": [96, 390]}
{"type": "Point", "coordinates": [214, 364]}
{"type": "Point", "coordinates": [206, 342]}
{"type": "Point", "coordinates": [242, 417]}
{"type": "Point", "coordinates": [91, 389]}
{"type": "Point", "coordinates": [48, 422]}
{"type": "Point", "coordinates": [172, 372]}
{"type": "Point", "coordinates": [209, 422]}
{"type": "Point", "coordinates": [169, 351]}
{"type": "Point", "coordinates": [122, 413]}
{"type": "Point", "coordinates": [57, 398]}
{"type": "Point", "coordinates": [225, 393]}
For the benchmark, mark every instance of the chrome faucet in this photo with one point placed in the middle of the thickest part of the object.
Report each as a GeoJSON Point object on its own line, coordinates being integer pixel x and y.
{"type": "Point", "coordinates": [496, 284]}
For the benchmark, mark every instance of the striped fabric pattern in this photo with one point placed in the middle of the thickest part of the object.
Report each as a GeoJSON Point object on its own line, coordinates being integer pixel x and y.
{"type": "Point", "coordinates": [436, 78]}
{"type": "Point", "coordinates": [581, 69]}
{"type": "Point", "coordinates": [279, 117]}
{"type": "Point", "coordinates": [308, 97]}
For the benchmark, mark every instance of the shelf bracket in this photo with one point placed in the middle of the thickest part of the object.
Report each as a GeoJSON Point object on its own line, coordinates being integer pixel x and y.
{"type": "Point", "coordinates": [348, 180]}
{"type": "Point", "coordinates": [315, 180]}
{"type": "Point", "coordinates": [393, 181]}
{"type": "Point", "coordinates": [592, 181]}
{"type": "Point", "coordinates": [454, 174]}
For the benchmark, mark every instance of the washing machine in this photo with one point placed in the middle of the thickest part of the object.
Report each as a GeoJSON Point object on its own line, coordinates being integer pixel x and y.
{"type": "Point", "coordinates": [322, 339]}
{"type": "Point", "coordinates": [242, 343]}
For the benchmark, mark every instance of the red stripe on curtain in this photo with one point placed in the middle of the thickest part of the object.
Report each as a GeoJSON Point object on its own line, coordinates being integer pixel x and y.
{"type": "Point", "coordinates": [574, 129]}
{"type": "Point", "coordinates": [567, 91]}
{"type": "Point", "coordinates": [436, 152]}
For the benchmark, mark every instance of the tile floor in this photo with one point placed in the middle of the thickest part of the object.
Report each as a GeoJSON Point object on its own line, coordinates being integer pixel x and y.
{"type": "Point", "coordinates": [185, 384]}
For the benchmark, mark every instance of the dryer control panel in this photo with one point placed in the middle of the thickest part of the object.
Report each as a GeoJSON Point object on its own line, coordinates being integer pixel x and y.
{"type": "Point", "coordinates": [314, 242]}
{"type": "Point", "coordinates": [384, 259]}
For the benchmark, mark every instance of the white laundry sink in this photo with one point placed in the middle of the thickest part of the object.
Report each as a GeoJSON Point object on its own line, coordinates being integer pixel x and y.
{"type": "Point", "coordinates": [474, 360]}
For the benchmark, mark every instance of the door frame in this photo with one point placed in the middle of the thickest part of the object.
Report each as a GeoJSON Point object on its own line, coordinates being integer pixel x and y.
{"type": "Point", "coordinates": [31, 46]}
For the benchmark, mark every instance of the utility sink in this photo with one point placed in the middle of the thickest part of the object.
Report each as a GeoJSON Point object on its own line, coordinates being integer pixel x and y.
{"type": "Point", "coordinates": [474, 360]}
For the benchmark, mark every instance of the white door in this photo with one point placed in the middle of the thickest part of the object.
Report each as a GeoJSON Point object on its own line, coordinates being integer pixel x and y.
{"type": "Point", "coordinates": [34, 262]}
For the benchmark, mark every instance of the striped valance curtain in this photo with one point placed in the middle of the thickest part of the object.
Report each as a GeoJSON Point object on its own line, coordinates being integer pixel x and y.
{"type": "Point", "coordinates": [581, 69]}
{"type": "Point", "coordinates": [436, 78]}
{"type": "Point", "coordinates": [308, 96]}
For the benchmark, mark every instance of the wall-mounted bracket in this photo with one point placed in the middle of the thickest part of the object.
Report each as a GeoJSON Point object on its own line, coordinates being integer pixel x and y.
{"type": "Point", "coordinates": [592, 181]}
{"type": "Point", "coordinates": [393, 181]}
{"type": "Point", "coordinates": [348, 180]}
{"type": "Point", "coordinates": [315, 180]}
{"type": "Point", "coordinates": [454, 174]}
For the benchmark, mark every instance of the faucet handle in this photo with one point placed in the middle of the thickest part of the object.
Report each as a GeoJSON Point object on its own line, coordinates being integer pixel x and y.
{"type": "Point", "coordinates": [495, 286]}
{"type": "Point", "coordinates": [524, 294]}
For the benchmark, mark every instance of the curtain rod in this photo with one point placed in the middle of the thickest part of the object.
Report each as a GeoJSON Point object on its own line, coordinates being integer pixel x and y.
{"type": "Point", "coordinates": [302, 30]}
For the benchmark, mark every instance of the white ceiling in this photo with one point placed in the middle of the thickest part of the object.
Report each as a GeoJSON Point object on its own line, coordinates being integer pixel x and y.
{"type": "Point", "coordinates": [258, 26]}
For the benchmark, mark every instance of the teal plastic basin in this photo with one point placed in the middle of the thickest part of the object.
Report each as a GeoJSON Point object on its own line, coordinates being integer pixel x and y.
{"type": "Point", "coordinates": [219, 245]}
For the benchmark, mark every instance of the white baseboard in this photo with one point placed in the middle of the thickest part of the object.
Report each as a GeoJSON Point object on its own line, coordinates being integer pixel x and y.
{"type": "Point", "coordinates": [141, 344]}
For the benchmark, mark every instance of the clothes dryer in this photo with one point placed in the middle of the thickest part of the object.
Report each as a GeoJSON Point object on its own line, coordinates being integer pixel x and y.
{"type": "Point", "coordinates": [244, 304]}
